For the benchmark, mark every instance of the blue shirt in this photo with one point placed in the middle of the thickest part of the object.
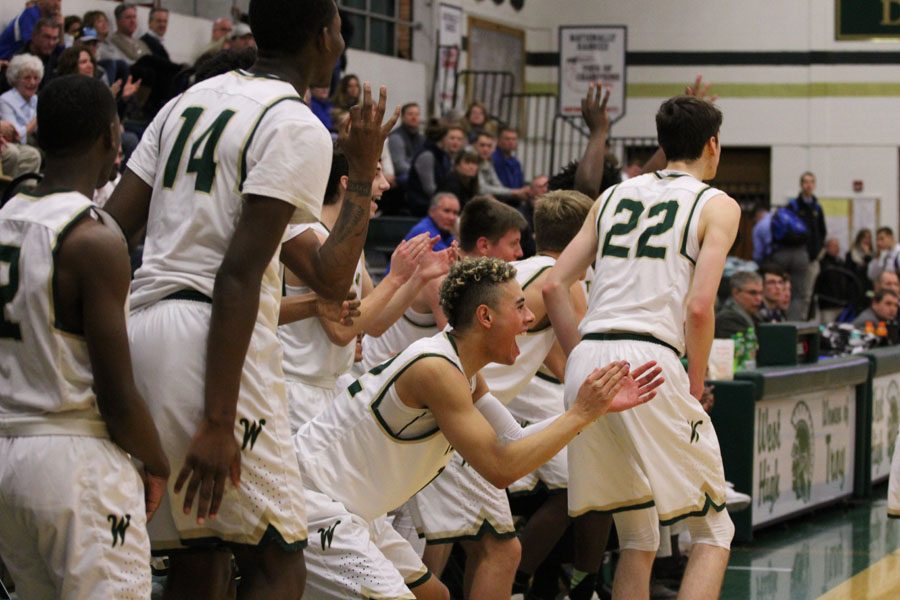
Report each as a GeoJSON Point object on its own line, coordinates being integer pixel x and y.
{"type": "Point", "coordinates": [322, 109]}
{"type": "Point", "coordinates": [427, 225]}
{"type": "Point", "coordinates": [762, 239]}
{"type": "Point", "coordinates": [15, 109]}
{"type": "Point", "coordinates": [18, 32]}
{"type": "Point", "coordinates": [508, 169]}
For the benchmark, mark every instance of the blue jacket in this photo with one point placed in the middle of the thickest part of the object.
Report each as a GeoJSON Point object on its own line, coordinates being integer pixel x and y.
{"type": "Point", "coordinates": [509, 170]}
{"type": "Point", "coordinates": [18, 32]}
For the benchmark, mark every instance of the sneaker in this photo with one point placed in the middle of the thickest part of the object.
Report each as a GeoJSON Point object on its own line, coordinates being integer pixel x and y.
{"type": "Point", "coordinates": [735, 501]}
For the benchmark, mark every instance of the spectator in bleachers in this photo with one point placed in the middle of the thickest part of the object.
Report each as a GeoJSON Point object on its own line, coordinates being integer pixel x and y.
{"type": "Point", "coordinates": [834, 285]}
{"type": "Point", "coordinates": [741, 310]}
{"type": "Point", "coordinates": [787, 295]}
{"type": "Point", "coordinates": [242, 38]}
{"type": "Point", "coordinates": [432, 165]}
{"type": "Point", "coordinates": [97, 22]}
{"type": "Point", "coordinates": [888, 255]}
{"type": "Point", "coordinates": [443, 213]}
{"type": "Point", "coordinates": [19, 105]}
{"type": "Point", "coordinates": [122, 45]}
{"type": "Point", "coordinates": [887, 280]}
{"type": "Point", "coordinates": [89, 41]}
{"type": "Point", "coordinates": [44, 44]}
{"type": "Point", "coordinates": [320, 104]}
{"type": "Point", "coordinates": [463, 180]}
{"type": "Point", "coordinates": [632, 169]}
{"type": "Point", "coordinates": [488, 180]}
{"type": "Point", "coordinates": [347, 93]}
{"type": "Point", "coordinates": [883, 308]}
{"type": "Point", "coordinates": [762, 234]}
{"type": "Point", "coordinates": [18, 31]}
{"type": "Point", "coordinates": [406, 141]}
{"type": "Point", "coordinates": [508, 167]}
{"type": "Point", "coordinates": [71, 30]}
{"type": "Point", "coordinates": [221, 33]}
{"type": "Point", "coordinates": [15, 158]}
{"type": "Point", "coordinates": [860, 255]}
{"type": "Point", "coordinates": [476, 121]}
{"type": "Point", "coordinates": [773, 280]}
{"type": "Point", "coordinates": [158, 23]}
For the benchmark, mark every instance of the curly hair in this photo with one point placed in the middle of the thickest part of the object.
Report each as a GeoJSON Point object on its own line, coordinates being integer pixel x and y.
{"type": "Point", "coordinates": [471, 283]}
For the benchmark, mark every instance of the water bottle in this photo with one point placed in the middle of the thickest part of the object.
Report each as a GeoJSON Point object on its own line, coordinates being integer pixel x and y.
{"type": "Point", "coordinates": [739, 351]}
{"type": "Point", "coordinates": [752, 346]}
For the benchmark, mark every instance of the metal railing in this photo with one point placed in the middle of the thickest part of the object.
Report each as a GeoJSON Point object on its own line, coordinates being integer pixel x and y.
{"type": "Point", "coordinates": [487, 87]}
{"type": "Point", "coordinates": [532, 115]}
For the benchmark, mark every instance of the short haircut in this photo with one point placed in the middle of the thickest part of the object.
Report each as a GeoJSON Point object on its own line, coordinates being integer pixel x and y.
{"type": "Point", "coordinates": [558, 216]}
{"type": "Point", "coordinates": [879, 281]}
{"type": "Point", "coordinates": [91, 16]}
{"type": "Point", "coordinates": [741, 278]}
{"type": "Point", "coordinates": [471, 283]}
{"type": "Point", "coordinates": [807, 174]}
{"type": "Point", "coordinates": [881, 294]}
{"type": "Point", "coordinates": [454, 127]}
{"type": "Point", "coordinates": [466, 156]}
{"type": "Point", "coordinates": [73, 112]}
{"type": "Point", "coordinates": [506, 128]}
{"type": "Point", "coordinates": [772, 269]}
{"type": "Point", "coordinates": [684, 124]}
{"type": "Point", "coordinates": [46, 23]}
{"type": "Point", "coordinates": [486, 134]}
{"type": "Point", "coordinates": [120, 9]}
{"type": "Point", "coordinates": [489, 218]}
{"type": "Point", "coordinates": [285, 27]}
{"type": "Point", "coordinates": [223, 61]}
{"type": "Point", "coordinates": [880, 230]}
{"type": "Point", "coordinates": [154, 10]}
{"type": "Point", "coordinates": [436, 199]}
{"type": "Point", "coordinates": [408, 106]}
{"type": "Point", "coordinates": [21, 64]}
{"type": "Point", "coordinates": [339, 168]}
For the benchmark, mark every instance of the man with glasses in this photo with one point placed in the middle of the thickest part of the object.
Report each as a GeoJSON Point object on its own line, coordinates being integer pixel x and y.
{"type": "Point", "coordinates": [741, 310]}
{"type": "Point", "coordinates": [773, 279]}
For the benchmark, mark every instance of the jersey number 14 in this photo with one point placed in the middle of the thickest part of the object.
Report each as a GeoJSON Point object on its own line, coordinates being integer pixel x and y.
{"type": "Point", "coordinates": [202, 158]}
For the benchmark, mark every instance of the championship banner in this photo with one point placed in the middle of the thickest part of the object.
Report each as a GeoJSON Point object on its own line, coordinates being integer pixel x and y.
{"type": "Point", "coordinates": [590, 54]}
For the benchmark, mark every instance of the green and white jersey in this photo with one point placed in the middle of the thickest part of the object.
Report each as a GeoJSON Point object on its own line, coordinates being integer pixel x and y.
{"type": "Point", "coordinates": [230, 136]}
{"type": "Point", "coordinates": [407, 329]}
{"type": "Point", "coordinates": [646, 252]}
{"type": "Point", "coordinates": [369, 450]}
{"type": "Point", "coordinates": [45, 370]}
{"type": "Point", "coordinates": [308, 353]}
{"type": "Point", "coordinates": [506, 381]}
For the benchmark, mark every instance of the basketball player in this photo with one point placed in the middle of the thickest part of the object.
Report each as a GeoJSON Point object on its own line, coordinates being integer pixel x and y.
{"type": "Point", "coordinates": [73, 509]}
{"type": "Point", "coordinates": [658, 242]}
{"type": "Point", "coordinates": [392, 431]}
{"type": "Point", "coordinates": [219, 174]}
{"type": "Point", "coordinates": [318, 351]}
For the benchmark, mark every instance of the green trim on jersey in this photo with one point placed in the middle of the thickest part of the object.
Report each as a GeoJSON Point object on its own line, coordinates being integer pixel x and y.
{"type": "Point", "coordinates": [245, 149]}
{"type": "Point", "coordinates": [485, 527]}
{"type": "Point", "coordinates": [420, 580]}
{"type": "Point", "coordinates": [710, 503]}
{"type": "Point", "coordinates": [603, 208]}
{"type": "Point", "coordinates": [687, 227]}
{"type": "Point", "coordinates": [535, 276]}
{"type": "Point", "coordinates": [377, 402]}
{"type": "Point", "coordinates": [61, 234]}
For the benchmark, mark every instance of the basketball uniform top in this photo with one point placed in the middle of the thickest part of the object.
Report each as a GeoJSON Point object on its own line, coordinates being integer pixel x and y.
{"type": "Point", "coordinates": [308, 353]}
{"type": "Point", "coordinates": [506, 381]}
{"type": "Point", "coordinates": [407, 329]}
{"type": "Point", "coordinates": [369, 450]}
{"type": "Point", "coordinates": [46, 370]}
{"type": "Point", "coordinates": [226, 137]}
{"type": "Point", "coordinates": [646, 251]}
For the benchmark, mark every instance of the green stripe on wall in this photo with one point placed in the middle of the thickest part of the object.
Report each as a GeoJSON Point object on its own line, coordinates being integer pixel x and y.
{"type": "Point", "coordinates": [755, 90]}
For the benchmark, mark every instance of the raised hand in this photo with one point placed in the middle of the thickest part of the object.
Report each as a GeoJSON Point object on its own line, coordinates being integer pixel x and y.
{"type": "Point", "coordinates": [212, 458]}
{"type": "Point", "coordinates": [599, 389]}
{"type": "Point", "coordinates": [130, 88]}
{"type": "Point", "coordinates": [407, 254]}
{"type": "Point", "coordinates": [639, 387]}
{"type": "Point", "coordinates": [339, 312]}
{"type": "Point", "coordinates": [700, 90]}
{"type": "Point", "coordinates": [593, 109]}
{"type": "Point", "coordinates": [365, 139]}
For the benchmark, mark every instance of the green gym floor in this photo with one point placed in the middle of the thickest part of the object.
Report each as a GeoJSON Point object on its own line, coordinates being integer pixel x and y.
{"type": "Point", "coordinates": [847, 552]}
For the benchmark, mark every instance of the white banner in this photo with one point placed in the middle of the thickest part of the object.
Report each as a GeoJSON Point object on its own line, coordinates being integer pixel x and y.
{"type": "Point", "coordinates": [450, 23]}
{"type": "Point", "coordinates": [885, 423]}
{"type": "Point", "coordinates": [588, 54]}
{"type": "Point", "coordinates": [804, 452]}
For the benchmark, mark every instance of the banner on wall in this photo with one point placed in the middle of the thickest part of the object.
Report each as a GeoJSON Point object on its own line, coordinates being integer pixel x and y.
{"type": "Point", "coordinates": [590, 54]}
{"type": "Point", "coordinates": [867, 19]}
{"type": "Point", "coordinates": [885, 423]}
{"type": "Point", "coordinates": [450, 23]}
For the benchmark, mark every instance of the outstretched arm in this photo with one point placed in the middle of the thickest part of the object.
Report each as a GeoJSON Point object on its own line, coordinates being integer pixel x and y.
{"type": "Point", "coordinates": [589, 174]}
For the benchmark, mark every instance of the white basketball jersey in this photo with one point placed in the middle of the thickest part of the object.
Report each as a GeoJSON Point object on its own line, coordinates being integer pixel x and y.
{"type": "Point", "coordinates": [407, 329]}
{"type": "Point", "coordinates": [506, 381]}
{"type": "Point", "coordinates": [308, 353]}
{"type": "Point", "coordinates": [369, 450]}
{"type": "Point", "coordinates": [44, 369]}
{"type": "Point", "coordinates": [646, 251]}
{"type": "Point", "coordinates": [224, 138]}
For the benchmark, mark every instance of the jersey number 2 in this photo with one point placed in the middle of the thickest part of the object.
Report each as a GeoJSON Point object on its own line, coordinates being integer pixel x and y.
{"type": "Point", "coordinates": [202, 158]}
{"type": "Point", "coordinates": [635, 208]}
{"type": "Point", "coordinates": [9, 256]}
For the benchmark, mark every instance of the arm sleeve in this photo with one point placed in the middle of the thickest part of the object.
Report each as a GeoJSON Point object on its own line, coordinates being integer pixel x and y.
{"type": "Point", "coordinates": [288, 159]}
{"type": "Point", "coordinates": [508, 430]}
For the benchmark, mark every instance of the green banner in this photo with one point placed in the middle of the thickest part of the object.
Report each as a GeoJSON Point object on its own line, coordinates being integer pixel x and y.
{"type": "Point", "coordinates": [867, 19]}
